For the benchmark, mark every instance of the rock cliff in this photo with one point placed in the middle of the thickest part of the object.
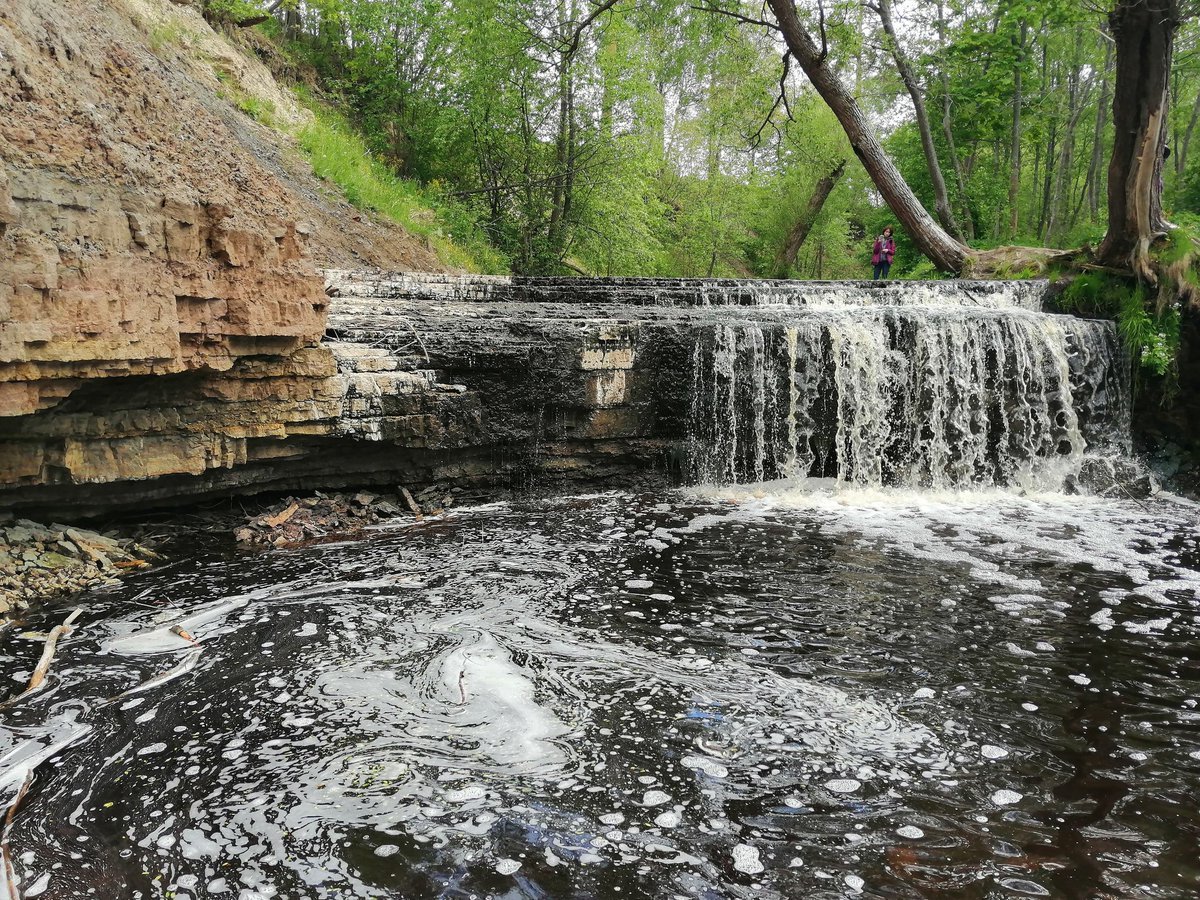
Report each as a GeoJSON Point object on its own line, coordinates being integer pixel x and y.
{"type": "Point", "coordinates": [160, 305]}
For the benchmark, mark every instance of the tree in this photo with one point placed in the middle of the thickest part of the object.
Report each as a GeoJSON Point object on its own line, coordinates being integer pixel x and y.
{"type": "Point", "coordinates": [946, 252]}
{"type": "Point", "coordinates": [1142, 31]}
{"type": "Point", "coordinates": [941, 199]}
{"type": "Point", "coordinates": [786, 258]}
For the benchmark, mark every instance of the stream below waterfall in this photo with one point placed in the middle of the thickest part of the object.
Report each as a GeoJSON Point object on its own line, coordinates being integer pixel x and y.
{"type": "Point", "coordinates": [751, 692]}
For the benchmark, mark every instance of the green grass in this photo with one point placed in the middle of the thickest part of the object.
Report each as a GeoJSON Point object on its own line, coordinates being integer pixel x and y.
{"type": "Point", "coordinates": [339, 155]}
{"type": "Point", "coordinates": [1152, 338]}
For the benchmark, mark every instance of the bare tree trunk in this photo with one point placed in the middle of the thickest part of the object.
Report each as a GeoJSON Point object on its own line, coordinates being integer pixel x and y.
{"type": "Point", "coordinates": [943, 250]}
{"type": "Point", "coordinates": [1181, 152]}
{"type": "Point", "coordinates": [1051, 148]}
{"type": "Point", "coordinates": [798, 234]}
{"type": "Point", "coordinates": [940, 198]}
{"type": "Point", "coordinates": [1079, 91]}
{"type": "Point", "coordinates": [1092, 184]}
{"type": "Point", "coordinates": [948, 131]}
{"type": "Point", "coordinates": [1143, 31]}
{"type": "Point", "coordinates": [1014, 178]}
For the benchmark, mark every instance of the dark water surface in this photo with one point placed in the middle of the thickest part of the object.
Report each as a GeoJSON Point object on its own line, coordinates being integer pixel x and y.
{"type": "Point", "coordinates": [684, 695]}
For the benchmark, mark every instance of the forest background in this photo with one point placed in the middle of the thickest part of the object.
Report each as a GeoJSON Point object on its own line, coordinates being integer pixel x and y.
{"type": "Point", "coordinates": [647, 137]}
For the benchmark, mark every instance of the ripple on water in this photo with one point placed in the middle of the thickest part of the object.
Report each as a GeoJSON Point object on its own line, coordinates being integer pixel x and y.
{"type": "Point", "coordinates": [498, 695]}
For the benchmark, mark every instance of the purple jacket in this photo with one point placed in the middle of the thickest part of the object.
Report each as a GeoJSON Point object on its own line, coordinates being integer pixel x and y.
{"type": "Point", "coordinates": [883, 251]}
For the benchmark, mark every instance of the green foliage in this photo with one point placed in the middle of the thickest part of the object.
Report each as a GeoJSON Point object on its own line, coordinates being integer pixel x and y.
{"type": "Point", "coordinates": [231, 11]}
{"type": "Point", "coordinates": [1151, 337]}
{"type": "Point", "coordinates": [646, 143]}
{"type": "Point", "coordinates": [164, 34]}
{"type": "Point", "coordinates": [339, 155]}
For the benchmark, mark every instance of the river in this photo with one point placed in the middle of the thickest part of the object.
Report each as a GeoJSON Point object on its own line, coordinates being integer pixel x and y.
{"type": "Point", "coordinates": [780, 690]}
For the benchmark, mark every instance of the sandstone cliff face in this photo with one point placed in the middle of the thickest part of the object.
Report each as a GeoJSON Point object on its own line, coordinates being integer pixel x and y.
{"type": "Point", "coordinates": [160, 308]}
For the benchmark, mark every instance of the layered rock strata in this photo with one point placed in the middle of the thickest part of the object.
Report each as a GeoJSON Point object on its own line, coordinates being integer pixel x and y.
{"type": "Point", "coordinates": [424, 379]}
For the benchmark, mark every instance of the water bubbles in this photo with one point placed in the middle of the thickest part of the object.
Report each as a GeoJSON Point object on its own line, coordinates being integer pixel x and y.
{"type": "Point", "coordinates": [910, 831]}
{"type": "Point", "coordinates": [655, 798]}
{"type": "Point", "coordinates": [386, 850]}
{"type": "Point", "coordinates": [669, 819]}
{"type": "Point", "coordinates": [463, 794]}
{"type": "Point", "coordinates": [613, 818]}
{"type": "Point", "coordinates": [843, 785]}
{"type": "Point", "coordinates": [709, 767]}
{"type": "Point", "coordinates": [991, 751]}
{"type": "Point", "coordinates": [1080, 679]}
{"type": "Point", "coordinates": [924, 693]}
{"type": "Point", "coordinates": [855, 883]}
{"type": "Point", "coordinates": [507, 866]}
{"type": "Point", "coordinates": [1006, 798]}
{"type": "Point", "coordinates": [639, 584]}
{"type": "Point", "coordinates": [151, 749]}
{"type": "Point", "coordinates": [309, 629]}
{"type": "Point", "coordinates": [745, 859]}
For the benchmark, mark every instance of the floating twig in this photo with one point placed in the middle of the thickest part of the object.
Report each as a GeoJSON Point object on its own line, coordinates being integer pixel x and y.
{"type": "Point", "coordinates": [39, 671]}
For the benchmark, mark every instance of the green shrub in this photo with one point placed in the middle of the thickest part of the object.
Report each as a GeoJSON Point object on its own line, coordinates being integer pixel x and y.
{"type": "Point", "coordinates": [1151, 337]}
{"type": "Point", "coordinates": [339, 155]}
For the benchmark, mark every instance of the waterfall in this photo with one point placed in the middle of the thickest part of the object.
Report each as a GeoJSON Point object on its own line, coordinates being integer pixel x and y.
{"type": "Point", "coordinates": [927, 385]}
{"type": "Point", "coordinates": [924, 397]}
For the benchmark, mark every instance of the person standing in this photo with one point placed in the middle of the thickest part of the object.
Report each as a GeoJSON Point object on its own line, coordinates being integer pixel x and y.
{"type": "Point", "coordinates": [883, 253]}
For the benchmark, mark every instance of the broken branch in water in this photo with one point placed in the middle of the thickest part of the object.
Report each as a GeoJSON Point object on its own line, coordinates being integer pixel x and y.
{"type": "Point", "coordinates": [39, 671]}
{"type": "Point", "coordinates": [10, 875]}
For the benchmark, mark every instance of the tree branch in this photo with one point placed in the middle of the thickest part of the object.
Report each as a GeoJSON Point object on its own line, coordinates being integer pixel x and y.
{"type": "Point", "coordinates": [738, 17]}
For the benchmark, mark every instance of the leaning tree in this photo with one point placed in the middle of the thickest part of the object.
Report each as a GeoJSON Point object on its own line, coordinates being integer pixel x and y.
{"type": "Point", "coordinates": [1142, 31]}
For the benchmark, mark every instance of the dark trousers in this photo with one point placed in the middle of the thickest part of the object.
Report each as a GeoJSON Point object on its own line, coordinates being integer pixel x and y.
{"type": "Point", "coordinates": [881, 270]}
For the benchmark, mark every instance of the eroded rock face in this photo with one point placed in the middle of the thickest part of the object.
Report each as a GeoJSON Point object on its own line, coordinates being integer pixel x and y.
{"type": "Point", "coordinates": [160, 310]}
{"type": "Point", "coordinates": [487, 382]}
{"type": "Point", "coordinates": [100, 282]}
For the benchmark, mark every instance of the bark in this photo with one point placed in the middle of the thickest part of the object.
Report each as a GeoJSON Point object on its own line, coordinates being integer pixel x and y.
{"type": "Point", "coordinates": [1014, 158]}
{"type": "Point", "coordinates": [948, 131]}
{"type": "Point", "coordinates": [1143, 31]}
{"type": "Point", "coordinates": [1182, 149]}
{"type": "Point", "coordinates": [1092, 184]}
{"type": "Point", "coordinates": [941, 199]}
{"type": "Point", "coordinates": [786, 258]}
{"type": "Point", "coordinates": [943, 250]}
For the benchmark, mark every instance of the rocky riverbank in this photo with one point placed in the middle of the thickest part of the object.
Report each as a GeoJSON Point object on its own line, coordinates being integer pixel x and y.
{"type": "Point", "coordinates": [299, 520]}
{"type": "Point", "coordinates": [39, 562]}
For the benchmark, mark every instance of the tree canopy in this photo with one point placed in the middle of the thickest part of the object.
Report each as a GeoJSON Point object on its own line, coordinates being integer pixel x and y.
{"type": "Point", "coordinates": [662, 138]}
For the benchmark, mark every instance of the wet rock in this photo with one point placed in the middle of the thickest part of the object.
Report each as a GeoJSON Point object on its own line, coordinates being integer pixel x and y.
{"type": "Point", "coordinates": [298, 520]}
{"type": "Point", "coordinates": [39, 562]}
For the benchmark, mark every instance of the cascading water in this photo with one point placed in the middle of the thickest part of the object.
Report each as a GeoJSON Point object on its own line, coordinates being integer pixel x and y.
{"type": "Point", "coordinates": [925, 396]}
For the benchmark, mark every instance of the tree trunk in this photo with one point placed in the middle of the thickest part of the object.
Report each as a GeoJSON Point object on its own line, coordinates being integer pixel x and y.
{"type": "Point", "coordinates": [941, 199]}
{"type": "Point", "coordinates": [1092, 184]}
{"type": "Point", "coordinates": [1143, 31]}
{"type": "Point", "coordinates": [948, 131]}
{"type": "Point", "coordinates": [786, 257]}
{"type": "Point", "coordinates": [1182, 150]}
{"type": "Point", "coordinates": [944, 251]}
{"type": "Point", "coordinates": [1014, 178]}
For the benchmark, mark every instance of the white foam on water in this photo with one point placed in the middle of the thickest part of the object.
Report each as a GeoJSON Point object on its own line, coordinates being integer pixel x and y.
{"type": "Point", "coordinates": [843, 785]}
{"type": "Point", "coordinates": [746, 859]}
